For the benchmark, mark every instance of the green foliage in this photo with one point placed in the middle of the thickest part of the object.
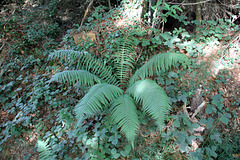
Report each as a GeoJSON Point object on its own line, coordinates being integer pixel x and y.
{"type": "Point", "coordinates": [160, 62]}
{"type": "Point", "coordinates": [157, 105]}
{"type": "Point", "coordinates": [230, 147]}
{"type": "Point", "coordinates": [99, 95]}
{"type": "Point", "coordinates": [81, 77]}
{"type": "Point", "coordinates": [84, 61]}
{"type": "Point", "coordinates": [169, 10]}
{"type": "Point", "coordinates": [114, 87]}
{"type": "Point", "coordinates": [102, 95]}
{"type": "Point", "coordinates": [30, 29]}
{"type": "Point", "coordinates": [124, 113]}
{"type": "Point", "coordinates": [98, 13]}
{"type": "Point", "coordinates": [44, 150]}
{"type": "Point", "coordinates": [124, 59]}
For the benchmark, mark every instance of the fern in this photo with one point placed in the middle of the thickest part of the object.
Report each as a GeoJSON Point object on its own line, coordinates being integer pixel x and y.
{"type": "Point", "coordinates": [124, 113]}
{"type": "Point", "coordinates": [45, 152]}
{"type": "Point", "coordinates": [68, 56]}
{"type": "Point", "coordinates": [106, 93]}
{"type": "Point", "coordinates": [153, 99]}
{"type": "Point", "coordinates": [87, 62]}
{"type": "Point", "coordinates": [98, 96]}
{"type": "Point", "coordinates": [81, 77]}
{"type": "Point", "coordinates": [159, 62]}
{"type": "Point", "coordinates": [124, 60]}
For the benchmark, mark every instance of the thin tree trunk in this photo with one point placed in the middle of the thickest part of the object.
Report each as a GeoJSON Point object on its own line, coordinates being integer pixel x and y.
{"type": "Point", "coordinates": [149, 12]}
{"type": "Point", "coordinates": [109, 5]}
{"type": "Point", "coordinates": [198, 12]}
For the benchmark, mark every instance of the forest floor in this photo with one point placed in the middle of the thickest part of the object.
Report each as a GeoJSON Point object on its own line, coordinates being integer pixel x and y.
{"type": "Point", "coordinates": [212, 68]}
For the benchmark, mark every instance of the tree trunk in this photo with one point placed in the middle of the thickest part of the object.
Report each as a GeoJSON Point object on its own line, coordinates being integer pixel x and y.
{"type": "Point", "coordinates": [198, 12]}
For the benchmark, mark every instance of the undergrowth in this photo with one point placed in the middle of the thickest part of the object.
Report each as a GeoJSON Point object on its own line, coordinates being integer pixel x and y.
{"type": "Point", "coordinates": [38, 117]}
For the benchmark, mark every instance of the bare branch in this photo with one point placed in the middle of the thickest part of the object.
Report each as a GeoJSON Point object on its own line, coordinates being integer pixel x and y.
{"type": "Point", "coordinates": [189, 4]}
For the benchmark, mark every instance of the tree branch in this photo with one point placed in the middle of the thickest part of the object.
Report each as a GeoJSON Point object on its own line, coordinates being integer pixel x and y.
{"type": "Point", "coordinates": [188, 4]}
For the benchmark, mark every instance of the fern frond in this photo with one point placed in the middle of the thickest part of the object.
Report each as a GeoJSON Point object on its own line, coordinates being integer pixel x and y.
{"type": "Point", "coordinates": [68, 56]}
{"type": "Point", "coordinates": [153, 98]}
{"type": "Point", "coordinates": [86, 61]}
{"type": "Point", "coordinates": [124, 114]}
{"type": "Point", "coordinates": [98, 96]}
{"type": "Point", "coordinates": [159, 62]}
{"type": "Point", "coordinates": [81, 77]}
{"type": "Point", "coordinates": [45, 152]}
{"type": "Point", "coordinates": [124, 59]}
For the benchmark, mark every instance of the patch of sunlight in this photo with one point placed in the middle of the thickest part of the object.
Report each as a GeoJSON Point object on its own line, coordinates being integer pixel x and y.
{"type": "Point", "coordinates": [132, 11]}
{"type": "Point", "coordinates": [141, 87]}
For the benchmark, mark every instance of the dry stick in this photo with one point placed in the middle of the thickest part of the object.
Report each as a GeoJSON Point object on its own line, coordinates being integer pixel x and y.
{"type": "Point", "coordinates": [187, 114]}
{"type": "Point", "coordinates": [154, 22]}
{"type": "Point", "coordinates": [188, 4]}
{"type": "Point", "coordinates": [200, 107]}
{"type": "Point", "coordinates": [9, 17]}
{"type": "Point", "coordinates": [185, 109]}
{"type": "Point", "coordinates": [149, 12]}
{"type": "Point", "coordinates": [85, 14]}
{"type": "Point", "coordinates": [84, 17]}
{"type": "Point", "coordinates": [2, 44]}
{"type": "Point", "coordinates": [230, 6]}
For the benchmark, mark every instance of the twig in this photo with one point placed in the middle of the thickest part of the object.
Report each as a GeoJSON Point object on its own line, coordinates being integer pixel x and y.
{"type": "Point", "coordinates": [85, 14]}
{"type": "Point", "coordinates": [154, 22]}
{"type": "Point", "coordinates": [200, 107]}
{"type": "Point", "coordinates": [2, 46]}
{"type": "Point", "coordinates": [229, 6]}
{"type": "Point", "coordinates": [188, 4]}
{"type": "Point", "coordinates": [185, 109]}
{"type": "Point", "coordinates": [4, 42]}
{"type": "Point", "coordinates": [84, 17]}
{"type": "Point", "coordinates": [187, 114]}
{"type": "Point", "coordinates": [9, 17]}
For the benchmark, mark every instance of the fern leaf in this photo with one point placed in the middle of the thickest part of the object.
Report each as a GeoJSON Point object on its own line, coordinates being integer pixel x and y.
{"type": "Point", "coordinates": [86, 61]}
{"type": "Point", "coordinates": [98, 96]}
{"type": "Point", "coordinates": [153, 98]}
{"type": "Point", "coordinates": [159, 62]}
{"type": "Point", "coordinates": [68, 56]}
{"type": "Point", "coordinates": [45, 152]}
{"type": "Point", "coordinates": [124, 113]}
{"type": "Point", "coordinates": [81, 77]}
{"type": "Point", "coordinates": [124, 60]}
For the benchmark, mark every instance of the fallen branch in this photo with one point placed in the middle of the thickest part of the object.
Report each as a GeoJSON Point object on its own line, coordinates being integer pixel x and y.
{"type": "Point", "coordinates": [84, 17]}
{"type": "Point", "coordinates": [200, 107]}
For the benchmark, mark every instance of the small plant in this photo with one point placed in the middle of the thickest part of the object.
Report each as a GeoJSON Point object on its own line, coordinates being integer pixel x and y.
{"type": "Point", "coordinates": [123, 91]}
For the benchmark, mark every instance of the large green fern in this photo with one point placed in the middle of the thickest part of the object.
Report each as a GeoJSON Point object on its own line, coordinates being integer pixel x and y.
{"type": "Point", "coordinates": [107, 89]}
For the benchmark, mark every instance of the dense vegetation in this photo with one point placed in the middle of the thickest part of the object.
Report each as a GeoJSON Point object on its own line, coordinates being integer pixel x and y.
{"type": "Point", "coordinates": [131, 80]}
